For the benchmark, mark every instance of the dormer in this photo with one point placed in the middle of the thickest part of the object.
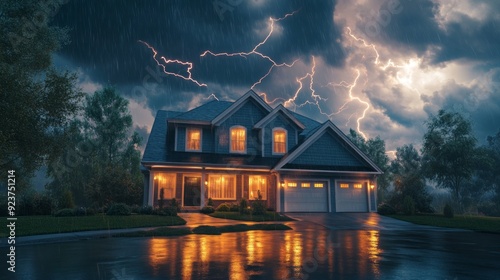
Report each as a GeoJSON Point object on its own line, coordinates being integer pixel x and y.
{"type": "Point", "coordinates": [279, 132]}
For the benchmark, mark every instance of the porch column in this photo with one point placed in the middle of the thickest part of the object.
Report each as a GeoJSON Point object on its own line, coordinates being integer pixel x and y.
{"type": "Point", "coordinates": [203, 188]}
{"type": "Point", "coordinates": [278, 192]}
{"type": "Point", "coordinates": [151, 187]}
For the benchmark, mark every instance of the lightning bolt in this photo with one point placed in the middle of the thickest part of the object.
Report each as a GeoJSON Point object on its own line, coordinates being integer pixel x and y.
{"type": "Point", "coordinates": [255, 52]}
{"type": "Point", "coordinates": [212, 95]}
{"type": "Point", "coordinates": [189, 66]}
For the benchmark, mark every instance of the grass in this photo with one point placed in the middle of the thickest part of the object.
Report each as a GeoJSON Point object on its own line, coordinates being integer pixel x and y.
{"type": "Point", "coordinates": [476, 223]}
{"type": "Point", "coordinates": [34, 225]}
{"type": "Point", "coordinates": [269, 216]}
{"type": "Point", "coordinates": [210, 230]}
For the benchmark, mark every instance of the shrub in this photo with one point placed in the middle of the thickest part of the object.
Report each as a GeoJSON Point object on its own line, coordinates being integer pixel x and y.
{"type": "Point", "coordinates": [234, 207]}
{"type": "Point", "coordinates": [174, 203]}
{"type": "Point", "coordinates": [448, 211]}
{"type": "Point", "coordinates": [80, 211]}
{"type": "Point", "coordinates": [146, 210]}
{"type": "Point", "coordinates": [386, 209]}
{"type": "Point", "coordinates": [135, 209]}
{"type": "Point", "coordinates": [66, 212]}
{"type": "Point", "coordinates": [408, 206]}
{"type": "Point", "coordinates": [244, 207]}
{"type": "Point", "coordinates": [207, 210]}
{"type": "Point", "coordinates": [224, 207]}
{"type": "Point", "coordinates": [270, 209]}
{"type": "Point", "coordinates": [43, 204]}
{"type": "Point", "coordinates": [119, 209]}
{"type": "Point", "coordinates": [489, 209]}
{"type": "Point", "coordinates": [90, 211]}
{"type": "Point", "coordinates": [210, 202]}
{"type": "Point", "coordinates": [167, 211]}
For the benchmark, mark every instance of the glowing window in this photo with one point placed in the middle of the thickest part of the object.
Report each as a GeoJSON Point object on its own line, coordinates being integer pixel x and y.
{"type": "Point", "coordinates": [165, 183]}
{"type": "Point", "coordinates": [292, 185]}
{"type": "Point", "coordinates": [305, 185]}
{"type": "Point", "coordinates": [279, 141]}
{"type": "Point", "coordinates": [318, 185]}
{"type": "Point", "coordinates": [193, 139]}
{"type": "Point", "coordinates": [238, 140]}
{"type": "Point", "coordinates": [257, 184]}
{"type": "Point", "coordinates": [221, 186]}
{"type": "Point", "coordinates": [344, 186]}
{"type": "Point", "coordinates": [358, 186]}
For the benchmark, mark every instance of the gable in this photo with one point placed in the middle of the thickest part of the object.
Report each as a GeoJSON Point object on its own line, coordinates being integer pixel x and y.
{"type": "Point", "coordinates": [329, 150]}
{"type": "Point", "coordinates": [250, 96]}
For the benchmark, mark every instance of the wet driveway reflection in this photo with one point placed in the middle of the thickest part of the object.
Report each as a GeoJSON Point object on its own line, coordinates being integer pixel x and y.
{"type": "Point", "coordinates": [313, 253]}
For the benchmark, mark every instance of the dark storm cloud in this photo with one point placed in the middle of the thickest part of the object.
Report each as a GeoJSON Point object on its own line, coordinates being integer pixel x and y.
{"type": "Point", "coordinates": [418, 27]}
{"type": "Point", "coordinates": [105, 36]}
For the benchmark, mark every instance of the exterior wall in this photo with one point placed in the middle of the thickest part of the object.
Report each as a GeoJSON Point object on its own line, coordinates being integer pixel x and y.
{"type": "Point", "coordinates": [278, 121]}
{"type": "Point", "coordinates": [247, 116]}
{"type": "Point", "coordinates": [327, 151]}
{"type": "Point", "coordinates": [242, 187]}
{"type": "Point", "coordinates": [207, 140]}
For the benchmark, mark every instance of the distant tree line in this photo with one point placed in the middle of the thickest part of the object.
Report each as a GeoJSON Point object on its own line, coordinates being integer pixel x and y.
{"type": "Point", "coordinates": [450, 159]}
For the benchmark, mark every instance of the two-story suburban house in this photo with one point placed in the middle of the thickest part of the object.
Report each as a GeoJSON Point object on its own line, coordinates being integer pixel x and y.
{"type": "Point", "coordinates": [227, 151]}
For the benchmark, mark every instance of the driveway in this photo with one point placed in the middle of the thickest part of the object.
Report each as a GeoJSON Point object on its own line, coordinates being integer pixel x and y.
{"type": "Point", "coordinates": [360, 221]}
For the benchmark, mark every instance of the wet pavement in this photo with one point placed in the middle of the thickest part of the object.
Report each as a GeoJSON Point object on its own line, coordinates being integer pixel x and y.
{"type": "Point", "coordinates": [310, 251]}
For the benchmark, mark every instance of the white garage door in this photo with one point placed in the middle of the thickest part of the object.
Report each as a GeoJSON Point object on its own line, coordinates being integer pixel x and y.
{"type": "Point", "coordinates": [351, 197]}
{"type": "Point", "coordinates": [306, 196]}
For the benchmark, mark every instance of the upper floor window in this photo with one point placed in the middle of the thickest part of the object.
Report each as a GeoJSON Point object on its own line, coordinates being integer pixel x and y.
{"type": "Point", "coordinates": [238, 139]}
{"type": "Point", "coordinates": [279, 141]}
{"type": "Point", "coordinates": [193, 139]}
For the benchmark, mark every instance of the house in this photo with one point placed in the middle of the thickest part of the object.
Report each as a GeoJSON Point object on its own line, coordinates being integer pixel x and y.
{"type": "Point", "coordinates": [227, 151]}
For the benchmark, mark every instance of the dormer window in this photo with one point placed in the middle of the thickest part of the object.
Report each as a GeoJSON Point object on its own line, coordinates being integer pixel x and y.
{"type": "Point", "coordinates": [193, 139]}
{"type": "Point", "coordinates": [279, 141]}
{"type": "Point", "coordinates": [238, 140]}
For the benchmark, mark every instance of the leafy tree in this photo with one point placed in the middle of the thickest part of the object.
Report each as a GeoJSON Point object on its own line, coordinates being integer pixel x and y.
{"type": "Point", "coordinates": [449, 152]}
{"type": "Point", "coordinates": [375, 149]}
{"type": "Point", "coordinates": [104, 164]}
{"type": "Point", "coordinates": [408, 179]}
{"type": "Point", "coordinates": [37, 101]}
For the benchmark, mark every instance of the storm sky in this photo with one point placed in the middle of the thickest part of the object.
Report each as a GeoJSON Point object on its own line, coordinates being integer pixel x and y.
{"type": "Point", "coordinates": [379, 67]}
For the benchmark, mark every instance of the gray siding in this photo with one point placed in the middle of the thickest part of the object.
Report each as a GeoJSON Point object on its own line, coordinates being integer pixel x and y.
{"type": "Point", "coordinates": [181, 139]}
{"type": "Point", "coordinates": [328, 150]}
{"type": "Point", "coordinates": [278, 121]}
{"type": "Point", "coordinates": [247, 116]}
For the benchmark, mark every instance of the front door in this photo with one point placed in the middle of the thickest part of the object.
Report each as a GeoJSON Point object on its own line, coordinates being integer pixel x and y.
{"type": "Point", "coordinates": [192, 191]}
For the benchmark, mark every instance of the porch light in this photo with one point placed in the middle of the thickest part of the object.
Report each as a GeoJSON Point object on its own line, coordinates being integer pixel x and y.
{"type": "Point", "coordinates": [372, 187]}
{"type": "Point", "coordinates": [206, 183]}
{"type": "Point", "coordinates": [282, 183]}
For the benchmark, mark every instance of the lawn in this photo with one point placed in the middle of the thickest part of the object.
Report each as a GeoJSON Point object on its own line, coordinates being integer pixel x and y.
{"type": "Point", "coordinates": [476, 223]}
{"type": "Point", "coordinates": [34, 225]}
{"type": "Point", "coordinates": [210, 230]}
{"type": "Point", "coordinates": [269, 216]}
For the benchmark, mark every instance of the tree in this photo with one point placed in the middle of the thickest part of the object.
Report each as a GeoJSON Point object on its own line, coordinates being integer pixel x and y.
{"type": "Point", "coordinates": [449, 152]}
{"type": "Point", "coordinates": [104, 157]}
{"type": "Point", "coordinates": [37, 101]}
{"type": "Point", "coordinates": [375, 149]}
{"type": "Point", "coordinates": [408, 180]}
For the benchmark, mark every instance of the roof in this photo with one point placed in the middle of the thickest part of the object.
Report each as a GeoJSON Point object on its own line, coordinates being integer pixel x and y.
{"type": "Point", "coordinates": [205, 113]}
{"type": "Point", "coordinates": [275, 112]}
{"type": "Point", "coordinates": [155, 148]}
{"type": "Point", "coordinates": [215, 112]}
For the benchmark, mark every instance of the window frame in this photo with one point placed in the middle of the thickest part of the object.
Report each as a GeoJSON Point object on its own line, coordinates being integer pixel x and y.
{"type": "Point", "coordinates": [276, 129]}
{"type": "Point", "coordinates": [188, 129]}
{"type": "Point", "coordinates": [156, 183]}
{"type": "Point", "coordinates": [221, 175]}
{"type": "Point", "coordinates": [231, 139]}
{"type": "Point", "coordinates": [266, 187]}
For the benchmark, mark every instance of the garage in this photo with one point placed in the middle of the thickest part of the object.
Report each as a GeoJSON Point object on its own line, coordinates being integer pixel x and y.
{"type": "Point", "coordinates": [351, 196]}
{"type": "Point", "coordinates": [306, 196]}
